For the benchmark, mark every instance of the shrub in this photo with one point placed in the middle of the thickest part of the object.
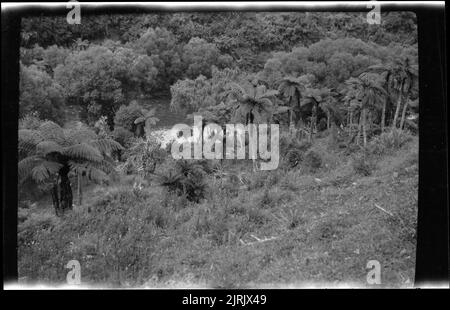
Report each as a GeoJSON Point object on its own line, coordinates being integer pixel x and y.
{"type": "Point", "coordinates": [123, 136]}
{"type": "Point", "coordinates": [389, 141]}
{"type": "Point", "coordinates": [313, 160]}
{"type": "Point", "coordinates": [289, 142]}
{"type": "Point", "coordinates": [363, 166]}
{"type": "Point", "coordinates": [293, 157]}
{"type": "Point", "coordinates": [127, 114]}
{"type": "Point", "coordinates": [183, 177]}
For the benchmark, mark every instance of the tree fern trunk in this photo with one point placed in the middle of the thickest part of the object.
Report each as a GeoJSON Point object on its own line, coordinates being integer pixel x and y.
{"type": "Point", "coordinates": [351, 122]}
{"type": "Point", "coordinates": [313, 122]}
{"type": "Point", "coordinates": [383, 116]}
{"type": "Point", "coordinates": [79, 190]}
{"type": "Point", "coordinates": [55, 198]}
{"type": "Point", "coordinates": [315, 117]}
{"type": "Point", "coordinates": [358, 135]}
{"type": "Point", "coordinates": [66, 197]}
{"type": "Point", "coordinates": [397, 110]}
{"type": "Point", "coordinates": [405, 107]}
{"type": "Point", "coordinates": [364, 127]}
{"type": "Point", "coordinates": [290, 113]}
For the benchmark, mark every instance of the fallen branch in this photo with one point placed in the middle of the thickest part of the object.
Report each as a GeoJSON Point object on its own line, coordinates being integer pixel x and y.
{"type": "Point", "coordinates": [258, 240]}
{"type": "Point", "coordinates": [385, 211]}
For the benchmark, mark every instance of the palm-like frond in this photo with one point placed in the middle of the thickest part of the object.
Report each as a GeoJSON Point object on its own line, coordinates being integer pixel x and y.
{"type": "Point", "coordinates": [169, 179]}
{"type": "Point", "coordinates": [266, 94]}
{"type": "Point", "coordinates": [237, 92]}
{"type": "Point", "coordinates": [46, 147]}
{"type": "Point", "coordinates": [45, 170]}
{"type": "Point", "coordinates": [51, 131]}
{"type": "Point", "coordinates": [96, 175]}
{"type": "Point", "coordinates": [290, 86]}
{"type": "Point", "coordinates": [95, 171]}
{"type": "Point", "coordinates": [189, 168]}
{"type": "Point", "coordinates": [78, 134]}
{"type": "Point", "coordinates": [28, 139]}
{"type": "Point", "coordinates": [83, 151]}
{"type": "Point", "coordinates": [106, 146]}
{"type": "Point", "coordinates": [26, 165]}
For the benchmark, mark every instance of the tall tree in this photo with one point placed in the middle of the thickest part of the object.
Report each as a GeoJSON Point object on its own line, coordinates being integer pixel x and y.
{"type": "Point", "coordinates": [254, 102]}
{"type": "Point", "coordinates": [312, 98]}
{"type": "Point", "coordinates": [401, 76]}
{"type": "Point", "coordinates": [371, 94]}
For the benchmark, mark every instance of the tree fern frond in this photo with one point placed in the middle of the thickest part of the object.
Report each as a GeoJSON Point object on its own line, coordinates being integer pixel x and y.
{"type": "Point", "coordinates": [45, 170]}
{"type": "Point", "coordinates": [139, 120]}
{"type": "Point", "coordinates": [236, 89]}
{"type": "Point", "coordinates": [27, 141]}
{"type": "Point", "coordinates": [78, 167]}
{"type": "Point", "coordinates": [83, 151]}
{"type": "Point", "coordinates": [106, 145]}
{"type": "Point", "coordinates": [151, 121]}
{"type": "Point", "coordinates": [46, 147]}
{"type": "Point", "coordinates": [26, 165]}
{"type": "Point", "coordinates": [95, 174]}
{"type": "Point", "coordinates": [52, 132]}
{"type": "Point", "coordinates": [269, 93]}
{"type": "Point", "coordinates": [282, 109]}
{"type": "Point", "coordinates": [78, 135]}
{"type": "Point", "coordinates": [105, 165]}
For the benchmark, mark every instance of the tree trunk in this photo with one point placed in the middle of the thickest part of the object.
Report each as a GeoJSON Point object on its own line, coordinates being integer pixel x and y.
{"type": "Point", "coordinates": [62, 192]}
{"type": "Point", "coordinates": [299, 120]}
{"type": "Point", "coordinates": [364, 127]}
{"type": "Point", "coordinates": [139, 130]}
{"type": "Point", "coordinates": [358, 135]}
{"type": "Point", "coordinates": [351, 122]}
{"type": "Point", "coordinates": [328, 120]}
{"type": "Point", "coordinates": [397, 110]}
{"type": "Point", "coordinates": [405, 107]}
{"type": "Point", "coordinates": [80, 190]}
{"type": "Point", "coordinates": [291, 111]}
{"type": "Point", "coordinates": [313, 122]}
{"type": "Point", "coordinates": [55, 198]}
{"type": "Point", "coordinates": [290, 121]}
{"type": "Point", "coordinates": [383, 116]}
{"type": "Point", "coordinates": [315, 117]}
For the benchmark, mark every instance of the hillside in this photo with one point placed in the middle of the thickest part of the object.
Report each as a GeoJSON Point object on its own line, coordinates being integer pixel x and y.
{"type": "Point", "coordinates": [325, 226]}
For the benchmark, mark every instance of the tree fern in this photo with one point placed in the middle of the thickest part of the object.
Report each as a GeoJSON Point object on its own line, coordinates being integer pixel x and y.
{"type": "Point", "coordinates": [50, 153]}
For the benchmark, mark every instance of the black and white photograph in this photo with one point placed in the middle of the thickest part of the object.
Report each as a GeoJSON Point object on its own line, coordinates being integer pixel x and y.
{"type": "Point", "coordinates": [231, 148]}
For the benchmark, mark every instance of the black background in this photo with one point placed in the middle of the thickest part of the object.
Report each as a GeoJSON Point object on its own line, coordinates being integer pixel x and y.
{"type": "Point", "coordinates": [432, 233]}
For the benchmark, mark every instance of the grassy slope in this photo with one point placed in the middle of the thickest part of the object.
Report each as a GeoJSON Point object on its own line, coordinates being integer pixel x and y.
{"type": "Point", "coordinates": [325, 227]}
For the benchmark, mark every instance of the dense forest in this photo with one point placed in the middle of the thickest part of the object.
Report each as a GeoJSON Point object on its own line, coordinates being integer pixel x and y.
{"type": "Point", "coordinates": [98, 185]}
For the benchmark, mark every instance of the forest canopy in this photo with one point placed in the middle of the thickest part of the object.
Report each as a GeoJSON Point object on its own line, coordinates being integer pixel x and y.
{"type": "Point", "coordinates": [109, 60]}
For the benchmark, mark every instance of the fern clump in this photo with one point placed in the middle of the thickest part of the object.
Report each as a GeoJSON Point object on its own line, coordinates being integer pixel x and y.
{"type": "Point", "coordinates": [389, 141]}
{"type": "Point", "coordinates": [183, 177]}
{"type": "Point", "coordinates": [135, 118]}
